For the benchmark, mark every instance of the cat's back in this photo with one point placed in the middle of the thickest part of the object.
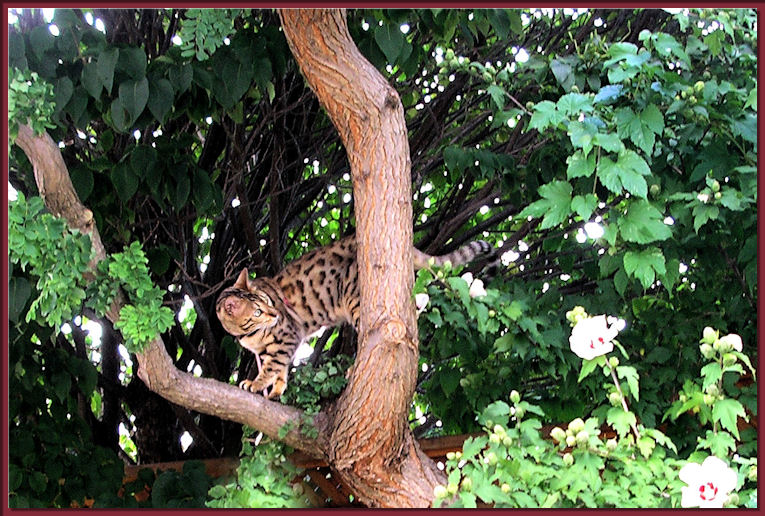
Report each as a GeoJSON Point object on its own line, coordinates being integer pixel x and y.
{"type": "Point", "coordinates": [315, 284]}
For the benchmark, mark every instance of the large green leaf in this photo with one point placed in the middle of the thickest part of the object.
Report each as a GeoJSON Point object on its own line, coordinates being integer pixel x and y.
{"type": "Point", "coordinates": [134, 95]}
{"type": "Point", "coordinates": [643, 224]}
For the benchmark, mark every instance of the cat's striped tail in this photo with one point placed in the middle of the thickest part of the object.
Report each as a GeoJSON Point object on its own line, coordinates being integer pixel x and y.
{"type": "Point", "coordinates": [465, 254]}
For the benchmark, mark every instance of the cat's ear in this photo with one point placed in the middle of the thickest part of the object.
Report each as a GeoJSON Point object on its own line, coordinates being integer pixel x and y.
{"type": "Point", "coordinates": [242, 282]}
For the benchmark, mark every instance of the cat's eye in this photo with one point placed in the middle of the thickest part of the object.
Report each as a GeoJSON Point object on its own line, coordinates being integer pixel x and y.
{"type": "Point", "coordinates": [258, 313]}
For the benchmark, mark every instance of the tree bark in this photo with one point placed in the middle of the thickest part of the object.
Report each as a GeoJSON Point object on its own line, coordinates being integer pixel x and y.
{"type": "Point", "coordinates": [370, 444]}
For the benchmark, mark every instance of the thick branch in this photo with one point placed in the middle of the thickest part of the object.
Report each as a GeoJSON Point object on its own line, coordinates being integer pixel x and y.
{"type": "Point", "coordinates": [371, 445]}
{"type": "Point", "coordinates": [156, 368]}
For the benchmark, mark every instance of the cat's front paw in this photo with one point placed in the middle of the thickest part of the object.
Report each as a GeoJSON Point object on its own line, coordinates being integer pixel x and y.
{"type": "Point", "coordinates": [252, 386]}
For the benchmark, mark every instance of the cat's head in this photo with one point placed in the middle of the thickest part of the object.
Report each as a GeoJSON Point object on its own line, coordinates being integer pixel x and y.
{"type": "Point", "coordinates": [245, 307]}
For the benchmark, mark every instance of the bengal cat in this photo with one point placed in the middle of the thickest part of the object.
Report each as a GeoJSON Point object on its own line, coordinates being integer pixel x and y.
{"type": "Point", "coordinates": [272, 316]}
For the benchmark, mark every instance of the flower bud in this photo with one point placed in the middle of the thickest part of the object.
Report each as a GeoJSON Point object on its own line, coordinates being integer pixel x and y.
{"type": "Point", "coordinates": [733, 341]}
{"type": "Point", "coordinates": [466, 484]}
{"type": "Point", "coordinates": [494, 438]}
{"type": "Point", "coordinates": [722, 345]}
{"type": "Point", "coordinates": [458, 455]}
{"type": "Point", "coordinates": [718, 196]}
{"type": "Point", "coordinates": [529, 105]}
{"type": "Point", "coordinates": [715, 186]}
{"type": "Point", "coordinates": [464, 382]}
{"type": "Point", "coordinates": [450, 455]}
{"type": "Point", "coordinates": [507, 441]}
{"type": "Point", "coordinates": [558, 434]}
{"type": "Point", "coordinates": [613, 361]}
{"type": "Point", "coordinates": [570, 440]}
{"type": "Point", "coordinates": [707, 351]}
{"type": "Point", "coordinates": [440, 492]}
{"type": "Point", "coordinates": [615, 399]}
{"type": "Point", "coordinates": [451, 488]}
{"type": "Point", "coordinates": [733, 500]}
{"type": "Point", "coordinates": [298, 489]}
{"type": "Point", "coordinates": [520, 412]}
{"type": "Point", "coordinates": [568, 459]}
{"type": "Point", "coordinates": [582, 437]}
{"type": "Point", "coordinates": [505, 488]}
{"type": "Point", "coordinates": [655, 189]}
{"type": "Point", "coordinates": [576, 425]}
{"type": "Point", "coordinates": [611, 444]}
{"type": "Point", "coordinates": [492, 458]}
{"type": "Point", "coordinates": [752, 473]}
{"type": "Point", "coordinates": [492, 313]}
{"type": "Point", "coordinates": [449, 54]}
{"type": "Point", "coordinates": [699, 86]}
{"type": "Point", "coordinates": [709, 335]}
{"type": "Point", "coordinates": [729, 359]}
{"type": "Point", "coordinates": [515, 397]}
{"type": "Point", "coordinates": [709, 399]}
{"type": "Point", "coordinates": [712, 390]}
{"type": "Point", "coordinates": [499, 430]}
{"type": "Point", "coordinates": [486, 76]}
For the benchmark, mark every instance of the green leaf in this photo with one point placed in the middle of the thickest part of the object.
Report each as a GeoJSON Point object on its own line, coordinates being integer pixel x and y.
{"type": "Point", "coordinates": [589, 366]}
{"type": "Point", "coordinates": [497, 95]}
{"type": "Point", "coordinates": [390, 40]}
{"type": "Point", "coordinates": [630, 374]}
{"type": "Point", "coordinates": [160, 98]}
{"type": "Point", "coordinates": [620, 420]}
{"type": "Point", "coordinates": [449, 380]}
{"type": "Point", "coordinates": [726, 412]}
{"type": "Point", "coordinates": [90, 80]}
{"type": "Point", "coordinates": [711, 374]}
{"type": "Point", "coordinates": [107, 62]}
{"type": "Point", "coordinates": [132, 61]}
{"type": "Point", "coordinates": [585, 205]}
{"type": "Point", "coordinates": [125, 181]}
{"type": "Point", "coordinates": [545, 114]}
{"type": "Point", "coordinates": [643, 224]}
{"type": "Point", "coordinates": [703, 213]}
{"type": "Point", "coordinates": [645, 265]}
{"type": "Point", "coordinates": [19, 292]}
{"type": "Point", "coordinates": [555, 203]}
{"type": "Point", "coordinates": [579, 165]}
{"type": "Point", "coordinates": [134, 95]}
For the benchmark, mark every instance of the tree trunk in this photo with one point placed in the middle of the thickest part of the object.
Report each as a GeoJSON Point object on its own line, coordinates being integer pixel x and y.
{"type": "Point", "coordinates": [370, 444]}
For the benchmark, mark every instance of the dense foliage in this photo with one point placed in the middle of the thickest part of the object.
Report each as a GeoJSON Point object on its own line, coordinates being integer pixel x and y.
{"type": "Point", "coordinates": [609, 155]}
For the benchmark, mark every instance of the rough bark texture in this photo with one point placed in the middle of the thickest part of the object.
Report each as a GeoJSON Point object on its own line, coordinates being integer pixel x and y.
{"type": "Point", "coordinates": [156, 368]}
{"type": "Point", "coordinates": [370, 444]}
